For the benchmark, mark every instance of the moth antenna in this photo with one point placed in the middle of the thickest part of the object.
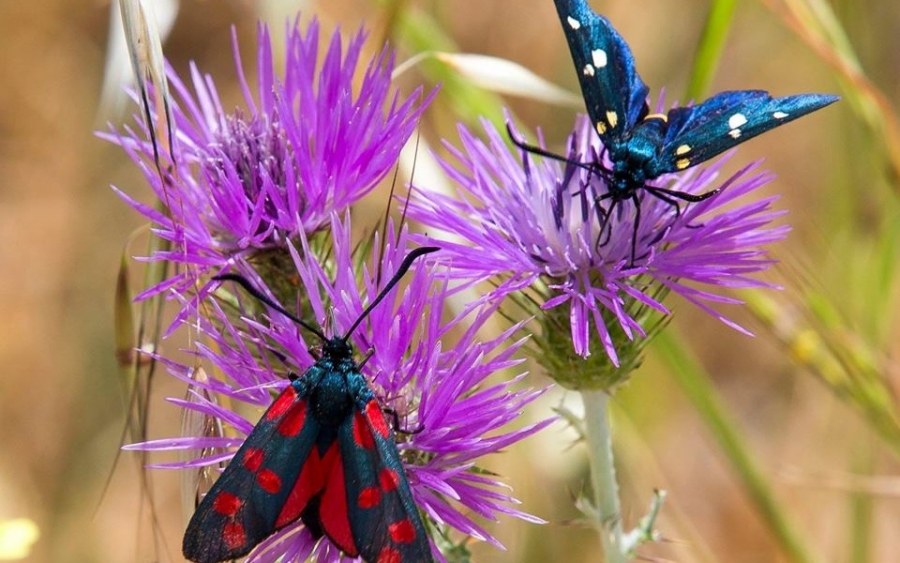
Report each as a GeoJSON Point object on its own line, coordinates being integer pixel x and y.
{"type": "Point", "coordinates": [404, 267]}
{"type": "Point", "coordinates": [259, 296]}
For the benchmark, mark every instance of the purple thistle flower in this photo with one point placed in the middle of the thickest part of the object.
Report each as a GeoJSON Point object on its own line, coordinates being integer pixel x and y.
{"type": "Point", "coordinates": [533, 222]}
{"type": "Point", "coordinates": [434, 385]}
{"type": "Point", "coordinates": [310, 142]}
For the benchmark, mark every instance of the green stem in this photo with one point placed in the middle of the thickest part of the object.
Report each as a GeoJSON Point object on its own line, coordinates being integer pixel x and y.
{"type": "Point", "coordinates": [603, 473]}
{"type": "Point", "coordinates": [694, 382]}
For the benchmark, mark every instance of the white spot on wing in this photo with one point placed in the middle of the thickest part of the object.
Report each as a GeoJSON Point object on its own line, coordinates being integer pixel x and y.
{"type": "Point", "coordinates": [779, 115]}
{"type": "Point", "coordinates": [573, 23]}
{"type": "Point", "coordinates": [735, 133]}
{"type": "Point", "coordinates": [588, 70]}
{"type": "Point", "coordinates": [612, 118]}
{"type": "Point", "coordinates": [737, 120]}
{"type": "Point", "coordinates": [599, 58]}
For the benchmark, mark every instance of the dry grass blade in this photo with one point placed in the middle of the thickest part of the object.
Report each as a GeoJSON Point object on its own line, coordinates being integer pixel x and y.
{"type": "Point", "coordinates": [145, 50]}
{"type": "Point", "coordinates": [815, 22]}
{"type": "Point", "coordinates": [498, 75]}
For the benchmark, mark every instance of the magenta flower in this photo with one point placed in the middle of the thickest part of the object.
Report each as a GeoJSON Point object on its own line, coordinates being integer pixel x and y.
{"type": "Point", "coordinates": [529, 221]}
{"type": "Point", "coordinates": [312, 141]}
{"type": "Point", "coordinates": [435, 387]}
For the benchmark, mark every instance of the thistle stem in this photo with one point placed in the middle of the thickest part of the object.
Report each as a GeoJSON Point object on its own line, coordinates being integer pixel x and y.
{"type": "Point", "coordinates": [598, 436]}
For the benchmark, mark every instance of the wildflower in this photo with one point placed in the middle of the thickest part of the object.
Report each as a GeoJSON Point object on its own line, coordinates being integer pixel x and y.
{"type": "Point", "coordinates": [306, 145]}
{"type": "Point", "coordinates": [535, 224]}
{"type": "Point", "coordinates": [434, 387]}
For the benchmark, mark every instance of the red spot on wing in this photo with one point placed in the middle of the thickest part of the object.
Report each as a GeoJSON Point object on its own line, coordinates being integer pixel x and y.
{"type": "Point", "coordinates": [269, 481]}
{"type": "Point", "coordinates": [389, 479]}
{"type": "Point", "coordinates": [253, 458]}
{"type": "Point", "coordinates": [333, 508]}
{"type": "Point", "coordinates": [227, 504]}
{"type": "Point", "coordinates": [369, 497]}
{"type": "Point", "coordinates": [310, 483]}
{"type": "Point", "coordinates": [389, 555]}
{"type": "Point", "coordinates": [293, 422]}
{"type": "Point", "coordinates": [233, 535]}
{"type": "Point", "coordinates": [282, 403]}
{"type": "Point", "coordinates": [402, 531]}
{"type": "Point", "coordinates": [362, 436]}
{"type": "Point", "coordinates": [376, 418]}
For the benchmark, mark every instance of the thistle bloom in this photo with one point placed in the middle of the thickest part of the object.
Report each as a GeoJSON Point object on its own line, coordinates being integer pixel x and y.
{"type": "Point", "coordinates": [536, 222]}
{"type": "Point", "coordinates": [434, 386]}
{"type": "Point", "coordinates": [309, 143]}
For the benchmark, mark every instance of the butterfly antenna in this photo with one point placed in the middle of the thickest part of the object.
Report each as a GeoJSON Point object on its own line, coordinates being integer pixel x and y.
{"type": "Point", "coordinates": [534, 149]}
{"type": "Point", "coordinates": [404, 266]}
{"type": "Point", "coordinates": [259, 296]}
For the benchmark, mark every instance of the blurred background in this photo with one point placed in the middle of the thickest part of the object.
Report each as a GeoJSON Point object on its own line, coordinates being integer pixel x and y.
{"type": "Point", "coordinates": [811, 399]}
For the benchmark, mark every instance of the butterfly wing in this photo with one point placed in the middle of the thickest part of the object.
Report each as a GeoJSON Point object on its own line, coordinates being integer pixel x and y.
{"type": "Point", "coordinates": [698, 133]}
{"type": "Point", "coordinates": [374, 499]}
{"type": "Point", "coordinates": [265, 487]}
{"type": "Point", "coordinates": [614, 94]}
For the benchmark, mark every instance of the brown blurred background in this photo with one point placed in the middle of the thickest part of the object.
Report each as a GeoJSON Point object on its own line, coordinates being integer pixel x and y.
{"type": "Point", "coordinates": [63, 232]}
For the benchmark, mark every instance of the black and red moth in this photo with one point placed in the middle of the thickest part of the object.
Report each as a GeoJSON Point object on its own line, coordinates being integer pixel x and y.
{"type": "Point", "coordinates": [323, 453]}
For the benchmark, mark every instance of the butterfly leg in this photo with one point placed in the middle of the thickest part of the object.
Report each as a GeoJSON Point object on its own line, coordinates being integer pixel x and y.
{"type": "Point", "coordinates": [534, 149]}
{"type": "Point", "coordinates": [669, 201]}
{"type": "Point", "coordinates": [604, 215]}
{"type": "Point", "coordinates": [367, 357]}
{"type": "Point", "coordinates": [670, 197]}
{"type": "Point", "coordinates": [395, 423]}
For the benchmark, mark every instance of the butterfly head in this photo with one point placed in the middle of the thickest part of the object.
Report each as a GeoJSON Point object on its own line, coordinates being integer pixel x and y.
{"type": "Point", "coordinates": [337, 348]}
{"type": "Point", "coordinates": [634, 159]}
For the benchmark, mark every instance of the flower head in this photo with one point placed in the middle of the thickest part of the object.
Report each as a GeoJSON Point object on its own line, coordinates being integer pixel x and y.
{"type": "Point", "coordinates": [537, 223]}
{"type": "Point", "coordinates": [433, 382]}
{"type": "Point", "coordinates": [310, 142]}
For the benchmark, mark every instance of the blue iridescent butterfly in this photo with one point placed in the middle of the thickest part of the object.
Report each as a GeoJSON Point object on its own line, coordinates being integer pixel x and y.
{"type": "Point", "coordinates": [642, 146]}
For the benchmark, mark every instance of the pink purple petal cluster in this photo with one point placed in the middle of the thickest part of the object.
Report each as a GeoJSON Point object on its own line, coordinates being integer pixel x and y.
{"type": "Point", "coordinates": [314, 138]}
{"type": "Point", "coordinates": [525, 220]}
{"type": "Point", "coordinates": [431, 371]}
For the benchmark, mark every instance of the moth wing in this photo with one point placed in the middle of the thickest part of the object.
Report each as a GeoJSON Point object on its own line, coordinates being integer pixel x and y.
{"type": "Point", "coordinates": [615, 95]}
{"type": "Point", "coordinates": [384, 521]}
{"type": "Point", "coordinates": [697, 133]}
{"type": "Point", "coordinates": [265, 486]}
